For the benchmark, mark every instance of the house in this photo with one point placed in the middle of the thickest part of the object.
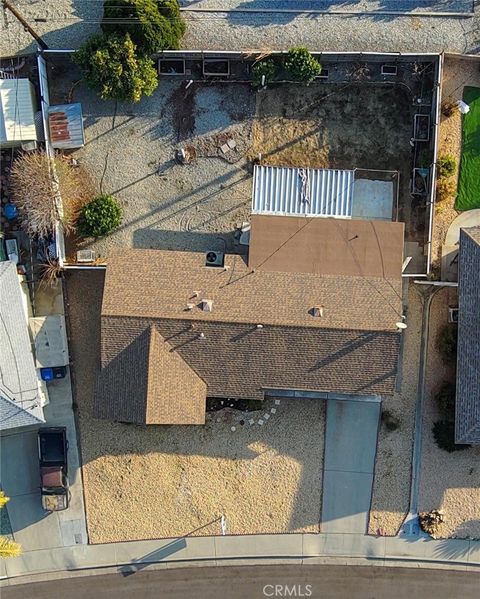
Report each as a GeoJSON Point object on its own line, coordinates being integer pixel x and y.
{"type": "Point", "coordinates": [20, 398]}
{"type": "Point", "coordinates": [311, 313]}
{"type": "Point", "coordinates": [467, 409]}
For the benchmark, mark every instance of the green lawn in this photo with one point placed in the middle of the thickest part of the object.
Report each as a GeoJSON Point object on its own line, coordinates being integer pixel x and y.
{"type": "Point", "coordinates": [469, 182]}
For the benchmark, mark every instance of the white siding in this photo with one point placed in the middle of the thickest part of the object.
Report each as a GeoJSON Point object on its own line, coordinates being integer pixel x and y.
{"type": "Point", "coordinates": [297, 191]}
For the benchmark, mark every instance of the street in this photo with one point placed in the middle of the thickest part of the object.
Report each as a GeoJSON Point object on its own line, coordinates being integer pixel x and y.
{"type": "Point", "coordinates": [260, 581]}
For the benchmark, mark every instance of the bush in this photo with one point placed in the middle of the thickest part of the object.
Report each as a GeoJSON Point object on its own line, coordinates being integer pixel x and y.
{"type": "Point", "coordinates": [390, 421]}
{"type": "Point", "coordinates": [446, 166]}
{"type": "Point", "coordinates": [152, 25]}
{"type": "Point", "coordinates": [447, 343]}
{"type": "Point", "coordinates": [430, 522]}
{"type": "Point", "coordinates": [266, 67]}
{"type": "Point", "coordinates": [99, 217]}
{"type": "Point", "coordinates": [449, 107]}
{"type": "Point", "coordinates": [446, 189]}
{"type": "Point", "coordinates": [301, 66]}
{"type": "Point", "coordinates": [110, 65]}
{"type": "Point", "coordinates": [444, 435]}
{"type": "Point", "coordinates": [445, 399]}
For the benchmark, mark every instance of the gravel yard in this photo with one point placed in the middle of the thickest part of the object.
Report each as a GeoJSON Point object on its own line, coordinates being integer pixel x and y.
{"type": "Point", "coordinates": [457, 74]}
{"type": "Point", "coordinates": [449, 481]}
{"type": "Point", "coordinates": [66, 24]}
{"type": "Point", "coordinates": [130, 151]}
{"type": "Point", "coordinates": [165, 481]}
{"type": "Point", "coordinates": [391, 487]}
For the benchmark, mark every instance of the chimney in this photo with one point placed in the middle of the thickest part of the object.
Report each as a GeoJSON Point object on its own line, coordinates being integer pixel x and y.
{"type": "Point", "coordinates": [207, 305]}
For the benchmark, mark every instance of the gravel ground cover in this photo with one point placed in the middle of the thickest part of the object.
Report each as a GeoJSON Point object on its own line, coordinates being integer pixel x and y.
{"type": "Point", "coordinates": [67, 24]}
{"type": "Point", "coordinates": [457, 73]}
{"type": "Point", "coordinates": [164, 481]}
{"type": "Point", "coordinates": [448, 481]}
{"type": "Point", "coordinates": [391, 487]}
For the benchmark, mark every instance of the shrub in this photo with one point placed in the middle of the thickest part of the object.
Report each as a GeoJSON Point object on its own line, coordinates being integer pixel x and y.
{"type": "Point", "coordinates": [390, 421]}
{"type": "Point", "coordinates": [430, 522]}
{"type": "Point", "coordinates": [446, 189]}
{"type": "Point", "coordinates": [152, 25]}
{"type": "Point", "coordinates": [301, 66]}
{"type": "Point", "coordinates": [446, 166]}
{"type": "Point", "coordinates": [111, 66]}
{"type": "Point", "coordinates": [447, 343]}
{"type": "Point", "coordinates": [99, 217]}
{"type": "Point", "coordinates": [37, 195]}
{"type": "Point", "coordinates": [444, 435]}
{"type": "Point", "coordinates": [445, 399]}
{"type": "Point", "coordinates": [266, 67]}
{"type": "Point", "coordinates": [449, 107]}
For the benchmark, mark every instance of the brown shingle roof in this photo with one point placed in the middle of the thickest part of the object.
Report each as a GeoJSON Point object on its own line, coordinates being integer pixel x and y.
{"type": "Point", "coordinates": [467, 413]}
{"type": "Point", "coordinates": [143, 380]}
{"type": "Point", "coordinates": [326, 246]}
{"type": "Point", "coordinates": [160, 284]}
{"type": "Point", "coordinates": [154, 344]}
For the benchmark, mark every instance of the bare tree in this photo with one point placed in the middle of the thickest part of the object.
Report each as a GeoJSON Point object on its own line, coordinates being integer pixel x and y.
{"type": "Point", "coordinates": [47, 190]}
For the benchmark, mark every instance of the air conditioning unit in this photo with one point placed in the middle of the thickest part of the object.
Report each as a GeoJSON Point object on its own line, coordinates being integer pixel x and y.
{"type": "Point", "coordinates": [214, 258]}
{"type": "Point", "coordinates": [453, 315]}
{"type": "Point", "coordinates": [85, 256]}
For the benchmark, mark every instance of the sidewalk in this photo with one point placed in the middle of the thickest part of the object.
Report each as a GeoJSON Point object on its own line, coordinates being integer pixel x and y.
{"type": "Point", "coordinates": [222, 550]}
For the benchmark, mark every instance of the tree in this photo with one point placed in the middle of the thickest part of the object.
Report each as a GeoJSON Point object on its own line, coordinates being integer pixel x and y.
{"type": "Point", "coordinates": [99, 217]}
{"type": "Point", "coordinates": [37, 194]}
{"type": "Point", "coordinates": [264, 68]}
{"type": "Point", "coordinates": [445, 399]}
{"type": "Point", "coordinates": [151, 24]}
{"type": "Point", "coordinates": [8, 547]}
{"type": "Point", "coordinates": [301, 66]}
{"type": "Point", "coordinates": [111, 66]}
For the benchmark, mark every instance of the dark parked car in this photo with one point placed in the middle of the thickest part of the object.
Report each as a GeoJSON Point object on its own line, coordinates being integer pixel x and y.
{"type": "Point", "coordinates": [52, 451]}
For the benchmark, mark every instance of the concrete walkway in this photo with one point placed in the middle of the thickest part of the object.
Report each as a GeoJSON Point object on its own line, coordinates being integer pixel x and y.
{"type": "Point", "coordinates": [350, 447]}
{"type": "Point", "coordinates": [32, 527]}
{"type": "Point", "coordinates": [281, 548]}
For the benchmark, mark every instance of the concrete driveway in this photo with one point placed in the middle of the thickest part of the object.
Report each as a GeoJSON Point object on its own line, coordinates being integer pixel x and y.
{"type": "Point", "coordinates": [350, 448]}
{"type": "Point", "coordinates": [32, 527]}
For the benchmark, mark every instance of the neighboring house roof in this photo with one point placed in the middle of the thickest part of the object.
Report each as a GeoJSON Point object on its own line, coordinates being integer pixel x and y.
{"type": "Point", "coordinates": [327, 246]}
{"type": "Point", "coordinates": [18, 377]}
{"type": "Point", "coordinates": [17, 111]}
{"type": "Point", "coordinates": [306, 191]}
{"type": "Point", "coordinates": [467, 414]}
{"type": "Point", "coordinates": [353, 348]}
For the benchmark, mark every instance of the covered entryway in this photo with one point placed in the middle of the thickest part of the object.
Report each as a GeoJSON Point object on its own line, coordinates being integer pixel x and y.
{"type": "Point", "coordinates": [350, 448]}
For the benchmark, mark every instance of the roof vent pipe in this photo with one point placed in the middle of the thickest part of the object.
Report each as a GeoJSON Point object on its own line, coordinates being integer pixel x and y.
{"type": "Point", "coordinates": [201, 335]}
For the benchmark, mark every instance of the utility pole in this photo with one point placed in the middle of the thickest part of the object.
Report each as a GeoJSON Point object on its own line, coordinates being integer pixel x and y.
{"type": "Point", "coordinates": [26, 26]}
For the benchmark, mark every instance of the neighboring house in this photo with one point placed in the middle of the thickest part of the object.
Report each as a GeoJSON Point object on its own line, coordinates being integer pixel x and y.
{"type": "Point", "coordinates": [313, 312]}
{"type": "Point", "coordinates": [20, 401]}
{"type": "Point", "coordinates": [467, 412]}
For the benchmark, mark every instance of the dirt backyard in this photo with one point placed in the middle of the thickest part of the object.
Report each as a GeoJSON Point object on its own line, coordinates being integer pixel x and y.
{"type": "Point", "coordinates": [223, 128]}
{"type": "Point", "coordinates": [165, 481]}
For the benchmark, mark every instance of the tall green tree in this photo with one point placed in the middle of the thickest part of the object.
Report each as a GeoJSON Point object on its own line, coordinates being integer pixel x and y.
{"type": "Point", "coordinates": [111, 66]}
{"type": "Point", "coordinates": [153, 25]}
